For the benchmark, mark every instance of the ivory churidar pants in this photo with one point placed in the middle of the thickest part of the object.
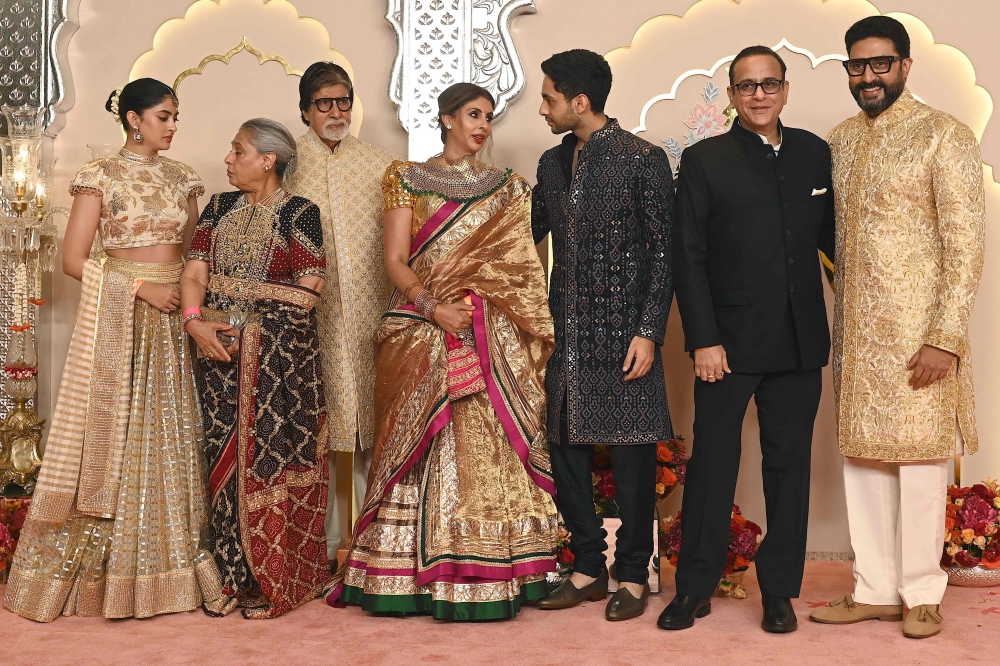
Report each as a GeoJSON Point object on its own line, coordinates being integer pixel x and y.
{"type": "Point", "coordinates": [896, 515]}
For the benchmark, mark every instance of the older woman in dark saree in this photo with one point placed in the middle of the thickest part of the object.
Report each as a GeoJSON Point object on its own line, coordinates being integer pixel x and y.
{"type": "Point", "coordinates": [257, 263]}
{"type": "Point", "coordinates": [458, 521]}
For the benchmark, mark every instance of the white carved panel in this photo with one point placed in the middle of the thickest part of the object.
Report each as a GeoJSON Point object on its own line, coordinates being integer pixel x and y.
{"type": "Point", "coordinates": [442, 42]}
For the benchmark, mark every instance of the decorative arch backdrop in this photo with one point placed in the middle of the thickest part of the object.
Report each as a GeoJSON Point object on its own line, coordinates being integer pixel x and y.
{"type": "Point", "coordinates": [240, 59]}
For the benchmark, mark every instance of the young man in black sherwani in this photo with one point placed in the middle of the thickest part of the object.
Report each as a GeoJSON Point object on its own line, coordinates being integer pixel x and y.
{"type": "Point", "coordinates": [606, 196]}
{"type": "Point", "coordinates": [753, 207]}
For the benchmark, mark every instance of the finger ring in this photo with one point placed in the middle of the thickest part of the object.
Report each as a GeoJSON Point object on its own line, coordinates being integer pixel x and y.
{"type": "Point", "coordinates": [210, 355]}
{"type": "Point", "coordinates": [718, 374]}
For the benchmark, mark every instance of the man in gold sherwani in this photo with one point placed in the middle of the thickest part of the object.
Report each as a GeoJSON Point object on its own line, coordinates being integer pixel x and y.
{"type": "Point", "coordinates": [343, 175]}
{"type": "Point", "coordinates": [908, 183]}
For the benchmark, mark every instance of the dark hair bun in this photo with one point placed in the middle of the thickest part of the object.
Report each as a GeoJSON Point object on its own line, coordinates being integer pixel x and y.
{"type": "Point", "coordinates": [107, 105]}
{"type": "Point", "coordinates": [138, 96]}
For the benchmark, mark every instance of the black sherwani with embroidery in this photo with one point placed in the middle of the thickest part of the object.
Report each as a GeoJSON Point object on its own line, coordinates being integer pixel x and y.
{"type": "Point", "coordinates": [611, 282]}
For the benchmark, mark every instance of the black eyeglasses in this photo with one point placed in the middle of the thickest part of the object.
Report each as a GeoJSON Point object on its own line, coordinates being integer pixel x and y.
{"type": "Point", "coordinates": [879, 65]}
{"type": "Point", "coordinates": [749, 88]}
{"type": "Point", "coordinates": [324, 104]}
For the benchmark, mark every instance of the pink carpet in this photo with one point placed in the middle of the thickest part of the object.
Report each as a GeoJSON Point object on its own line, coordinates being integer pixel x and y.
{"type": "Point", "coordinates": [318, 634]}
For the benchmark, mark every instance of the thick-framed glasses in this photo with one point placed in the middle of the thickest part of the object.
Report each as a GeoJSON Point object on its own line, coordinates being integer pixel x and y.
{"type": "Point", "coordinates": [324, 104]}
{"type": "Point", "coordinates": [879, 65]}
{"type": "Point", "coordinates": [749, 88]}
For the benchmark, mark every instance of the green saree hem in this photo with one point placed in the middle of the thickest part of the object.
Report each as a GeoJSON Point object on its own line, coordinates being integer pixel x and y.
{"type": "Point", "coordinates": [439, 609]}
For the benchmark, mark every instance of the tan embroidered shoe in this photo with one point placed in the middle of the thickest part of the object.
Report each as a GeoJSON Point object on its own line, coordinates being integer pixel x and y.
{"type": "Point", "coordinates": [923, 621]}
{"type": "Point", "coordinates": [847, 611]}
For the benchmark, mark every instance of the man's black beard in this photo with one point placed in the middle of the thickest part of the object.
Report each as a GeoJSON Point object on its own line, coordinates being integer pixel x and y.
{"type": "Point", "coordinates": [876, 106]}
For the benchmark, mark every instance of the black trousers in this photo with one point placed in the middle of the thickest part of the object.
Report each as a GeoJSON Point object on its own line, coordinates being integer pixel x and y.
{"type": "Point", "coordinates": [786, 410]}
{"type": "Point", "coordinates": [634, 467]}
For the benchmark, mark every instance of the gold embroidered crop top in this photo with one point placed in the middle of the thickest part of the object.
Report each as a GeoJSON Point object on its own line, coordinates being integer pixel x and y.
{"type": "Point", "coordinates": [145, 199]}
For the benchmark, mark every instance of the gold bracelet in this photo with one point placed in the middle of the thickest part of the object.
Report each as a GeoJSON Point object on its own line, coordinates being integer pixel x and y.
{"type": "Point", "coordinates": [406, 292]}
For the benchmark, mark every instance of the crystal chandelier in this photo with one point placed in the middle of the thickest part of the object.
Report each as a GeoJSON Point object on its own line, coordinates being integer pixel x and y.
{"type": "Point", "coordinates": [28, 249]}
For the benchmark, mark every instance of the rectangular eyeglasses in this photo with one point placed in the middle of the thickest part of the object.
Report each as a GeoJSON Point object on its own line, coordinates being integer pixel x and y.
{"type": "Point", "coordinates": [879, 65]}
{"type": "Point", "coordinates": [749, 88]}
{"type": "Point", "coordinates": [324, 104]}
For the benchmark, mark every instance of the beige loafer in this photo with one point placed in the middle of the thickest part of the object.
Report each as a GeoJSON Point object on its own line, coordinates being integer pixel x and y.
{"type": "Point", "coordinates": [847, 611]}
{"type": "Point", "coordinates": [923, 621]}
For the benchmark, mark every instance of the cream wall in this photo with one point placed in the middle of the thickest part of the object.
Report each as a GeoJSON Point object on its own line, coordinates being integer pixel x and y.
{"type": "Point", "coordinates": [113, 38]}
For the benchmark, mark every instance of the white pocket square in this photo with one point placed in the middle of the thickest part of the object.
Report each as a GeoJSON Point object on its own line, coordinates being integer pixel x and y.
{"type": "Point", "coordinates": [816, 193]}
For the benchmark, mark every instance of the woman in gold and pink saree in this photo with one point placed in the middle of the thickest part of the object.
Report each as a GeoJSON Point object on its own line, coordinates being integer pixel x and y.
{"type": "Point", "coordinates": [459, 519]}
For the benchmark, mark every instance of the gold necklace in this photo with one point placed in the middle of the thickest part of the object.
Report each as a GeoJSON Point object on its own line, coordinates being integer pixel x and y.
{"type": "Point", "coordinates": [243, 243]}
{"type": "Point", "coordinates": [137, 158]}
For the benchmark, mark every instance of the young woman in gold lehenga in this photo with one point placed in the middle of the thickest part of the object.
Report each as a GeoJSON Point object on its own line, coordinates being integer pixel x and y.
{"type": "Point", "coordinates": [116, 525]}
{"type": "Point", "coordinates": [458, 521]}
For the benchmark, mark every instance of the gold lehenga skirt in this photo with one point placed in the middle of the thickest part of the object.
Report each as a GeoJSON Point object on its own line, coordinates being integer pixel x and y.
{"type": "Point", "coordinates": [150, 558]}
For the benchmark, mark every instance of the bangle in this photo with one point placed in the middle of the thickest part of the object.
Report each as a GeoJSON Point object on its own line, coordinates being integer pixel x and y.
{"type": "Point", "coordinates": [195, 310]}
{"type": "Point", "coordinates": [406, 292]}
{"type": "Point", "coordinates": [418, 302]}
{"type": "Point", "coordinates": [428, 309]}
{"type": "Point", "coordinates": [190, 317]}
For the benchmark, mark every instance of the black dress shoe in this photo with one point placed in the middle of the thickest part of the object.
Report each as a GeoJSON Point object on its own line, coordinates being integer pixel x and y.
{"type": "Point", "coordinates": [681, 612]}
{"type": "Point", "coordinates": [568, 595]}
{"type": "Point", "coordinates": [779, 616]}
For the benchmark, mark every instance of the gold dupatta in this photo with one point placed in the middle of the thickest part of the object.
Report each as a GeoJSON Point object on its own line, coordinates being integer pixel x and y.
{"type": "Point", "coordinates": [86, 446]}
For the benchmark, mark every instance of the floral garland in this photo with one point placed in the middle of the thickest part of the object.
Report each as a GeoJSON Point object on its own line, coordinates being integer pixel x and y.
{"type": "Point", "coordinates": [20, 299]}
{"type": "Point", "coordinates": [972, 526]}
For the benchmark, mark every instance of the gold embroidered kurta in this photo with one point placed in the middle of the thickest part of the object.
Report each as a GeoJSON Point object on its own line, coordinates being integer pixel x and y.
{"type": "Point", "coordinates": [346, 185]}
{"type": "Point", "coordinates": [910, 237]}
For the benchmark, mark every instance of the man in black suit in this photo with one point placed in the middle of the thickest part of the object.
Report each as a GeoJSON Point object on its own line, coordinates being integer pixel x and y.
{"type": "Point", "coordinates": [753, 207]}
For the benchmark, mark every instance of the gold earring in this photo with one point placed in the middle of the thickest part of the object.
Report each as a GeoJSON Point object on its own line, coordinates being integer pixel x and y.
{"type": "Point", "coordinates": [138, 135]}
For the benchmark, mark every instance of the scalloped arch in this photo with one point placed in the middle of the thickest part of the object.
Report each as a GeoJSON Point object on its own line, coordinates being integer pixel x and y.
{"type": "Point", "coordinates": [705, 15]}
{"type": "Point", "coordinates": [271, 31]}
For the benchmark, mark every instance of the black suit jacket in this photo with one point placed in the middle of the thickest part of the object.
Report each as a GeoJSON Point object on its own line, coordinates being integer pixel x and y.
{"type": "Point", "coordinates": [747, 228]}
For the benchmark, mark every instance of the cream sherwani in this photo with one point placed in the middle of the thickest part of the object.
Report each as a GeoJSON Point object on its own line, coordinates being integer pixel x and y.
{"type": "Point", "coordinates": [346, 185]}
{"type": "Point", "coordinates": [910, 207]}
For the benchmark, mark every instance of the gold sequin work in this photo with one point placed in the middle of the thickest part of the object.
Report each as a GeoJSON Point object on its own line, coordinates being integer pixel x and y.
{"type": "Point", "coordinates": [910, 239]}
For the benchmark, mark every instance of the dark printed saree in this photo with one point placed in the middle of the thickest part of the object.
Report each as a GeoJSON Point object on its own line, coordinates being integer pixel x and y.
{"type": "Point", "coordinates": [459, 519]}
{"type": "Point", "coordinates": [264, 425]}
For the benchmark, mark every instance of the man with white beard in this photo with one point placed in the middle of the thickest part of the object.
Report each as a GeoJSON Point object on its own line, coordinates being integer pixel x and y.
{"type": "Point", "coordinates": [343, 175]}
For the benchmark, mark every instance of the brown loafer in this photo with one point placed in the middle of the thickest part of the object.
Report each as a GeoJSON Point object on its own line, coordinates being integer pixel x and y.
{"type": "Point", "coordinates": [923, 621]}
{"type": "Point", "coordinates": [623, 606]}
{"type": "Point", "coordinates": [568, 595]}
{"type": "Point", "coordinates": [847, 611]}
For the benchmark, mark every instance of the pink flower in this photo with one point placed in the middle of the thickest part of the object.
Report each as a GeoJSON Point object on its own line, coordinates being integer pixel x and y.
{"type": "Point", "coordinates": [976, 511]}
{"type": "Point", "coordinates": [706, 122]}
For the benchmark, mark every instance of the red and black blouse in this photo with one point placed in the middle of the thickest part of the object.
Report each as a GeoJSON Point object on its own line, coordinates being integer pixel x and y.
{"type": "Point", "coordinates": [298, 238]}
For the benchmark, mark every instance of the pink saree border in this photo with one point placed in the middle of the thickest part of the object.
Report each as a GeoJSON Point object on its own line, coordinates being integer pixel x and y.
{"type": "Point", "coordinates": [499, 405]}
{"type": "Point", "coordinates": [432, 225]}
{"type": "Point", "coordinates": [451, 572]}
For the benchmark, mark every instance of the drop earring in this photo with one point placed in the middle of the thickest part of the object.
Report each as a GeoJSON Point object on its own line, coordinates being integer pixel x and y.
{"type": "Point", "coordinates": [138, 135]}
